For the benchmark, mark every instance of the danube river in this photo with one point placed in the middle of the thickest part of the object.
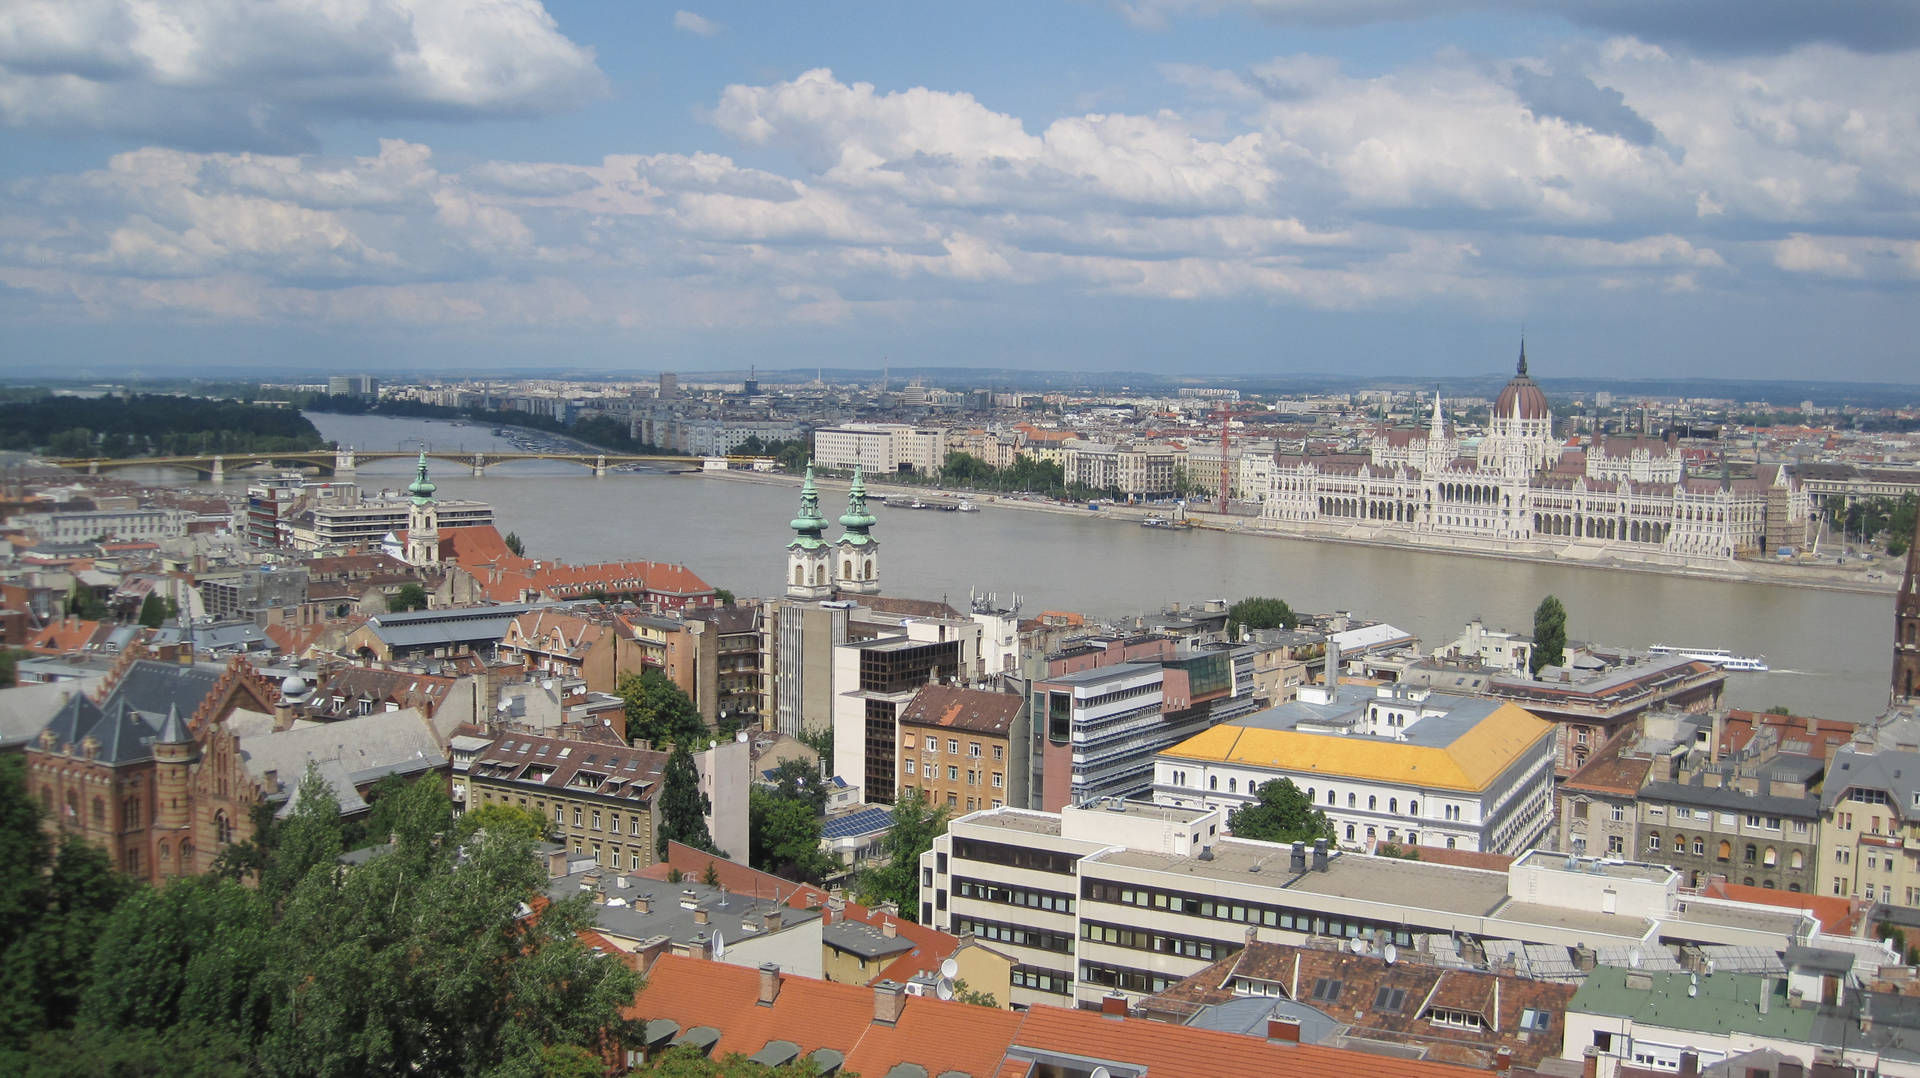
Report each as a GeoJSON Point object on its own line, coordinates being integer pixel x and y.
{"type": "Point", "coordinates": [1830, 650]}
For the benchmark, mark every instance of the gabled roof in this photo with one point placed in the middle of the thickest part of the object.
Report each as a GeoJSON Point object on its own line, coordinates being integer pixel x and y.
{"type": "Point", "coordinates": [973, 710]}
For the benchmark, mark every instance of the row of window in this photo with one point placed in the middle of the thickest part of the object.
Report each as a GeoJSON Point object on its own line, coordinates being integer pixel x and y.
{"type": "Point", "coordinates": [1000, 853]}
{"type": "Point", "coordinates": [1142, 940]}
{"type": "Point", "coordinates": [1317, 924]}
{"type": "Point", "coordinates": [1042, 980]}
{"type": "Point", "coordinates": [1057, 942]}
{"type": "Point", "coordinates": [953, 747]}
{"type": "Point", "coordinates": [953, 774]}
{"type": "Point", "coordinates": [983, 891]}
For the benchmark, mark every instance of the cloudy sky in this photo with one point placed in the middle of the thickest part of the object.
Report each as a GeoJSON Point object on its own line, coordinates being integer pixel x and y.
{"type": "Point", "coordinates": [1721, 188]}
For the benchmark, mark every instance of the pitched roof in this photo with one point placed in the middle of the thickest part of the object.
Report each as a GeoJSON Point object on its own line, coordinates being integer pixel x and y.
{"type": "Point", "coordinates": [974, 710]}
{"type": "Point", "coordinates": [949, 1036]}
{"type": "Point", "coordinates": [565, 763]}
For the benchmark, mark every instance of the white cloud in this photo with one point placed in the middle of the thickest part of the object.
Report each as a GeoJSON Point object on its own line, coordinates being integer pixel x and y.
{"type": "Point", "coordinates": [696, 24]}
{"type": "Point", "coordinates": [1801, 253]}
{"type": "Point", "coordinates": [259, 74]}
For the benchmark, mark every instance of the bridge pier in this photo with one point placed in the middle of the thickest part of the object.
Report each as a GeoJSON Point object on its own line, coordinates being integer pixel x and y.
{"type": "Point", "coordinates": [343, 464]}
{"type": "Point", "coordinates": [479, 465]}
{"type": "Point", "coordinates": [600, 466]}
{"type": "Point", "coordinates": [219, 469]}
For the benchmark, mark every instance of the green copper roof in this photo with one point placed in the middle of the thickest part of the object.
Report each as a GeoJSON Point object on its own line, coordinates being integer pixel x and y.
{"type": "Point", "coordinates": [809, 523]}
{"type": "Point", "coordinates": [422, 488]}
{"type": "Point", "coordinates": [857, 520]}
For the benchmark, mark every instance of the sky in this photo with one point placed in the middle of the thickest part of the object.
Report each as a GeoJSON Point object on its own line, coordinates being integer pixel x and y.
{"type": "Point", "coordinates": [1715, 188]}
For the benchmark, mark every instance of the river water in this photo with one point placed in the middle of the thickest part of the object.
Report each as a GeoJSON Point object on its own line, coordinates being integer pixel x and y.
{"type": "Point", "coordinates": [1830, 651]}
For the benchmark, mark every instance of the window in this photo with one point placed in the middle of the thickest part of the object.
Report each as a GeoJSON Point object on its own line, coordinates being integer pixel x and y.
{"type": "Point", "coordinates": [1619, 813]}
{"type": "Point", "coordinates": [1538, 1021]}
{"type": "Point", "coordinates": [999, 752]}
{"type": "Point", "coordinates": [909, 767]}
{"type": "Point", "coordinates": [1389, 999]}
{"type": "Point", "coordinates": [1579, 810]}
{"type": "Point", "coordinates": [1353, 801]}
{"type": "Point", "coordinates": [906, 741]}
{"type": "Point", "coordinates": [1653, 843]}
{"type": "Point", "coordinates": [1213, 782]}
{"type": "Point", "coordinates": [953, 745]}
{"type": "Point", "coordinates": [1699, 847]}
{"type": "Point", "coordinates": [1233, 786]}
{"type": "Point", "coordinates": [1327, 989]}
{"type": "Point", "coordinates": [1616, 844]}
{"type": "Point", "coordinates": [996, 780]}
{"type": "Point", "coordinates": [1372, 802]}
{"type": "Point", "coordinates": [973, 749]}
{"type": "Point", "coordinates": [953, 773]}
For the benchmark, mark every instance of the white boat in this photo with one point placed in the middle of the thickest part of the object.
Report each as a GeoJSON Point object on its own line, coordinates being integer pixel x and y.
{"type": "Point", "coordinates": [1720, 657]}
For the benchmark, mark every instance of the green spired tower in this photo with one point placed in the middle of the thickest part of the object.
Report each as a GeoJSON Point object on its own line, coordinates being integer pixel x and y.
{"type": "Point", "coordinates": [859, 551]}
{"type": "Point", "coordinates": [809, 557]}
{"type": "Point", "coordinates": [423, 519]}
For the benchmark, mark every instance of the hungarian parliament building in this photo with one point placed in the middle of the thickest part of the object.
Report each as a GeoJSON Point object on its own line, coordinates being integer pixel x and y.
{"type": "Point", "coordinates": [1521, 490]}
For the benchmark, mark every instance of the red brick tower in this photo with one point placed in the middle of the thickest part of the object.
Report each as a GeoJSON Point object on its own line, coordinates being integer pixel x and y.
{"type": "Point", "coordinates": [1906, 628]}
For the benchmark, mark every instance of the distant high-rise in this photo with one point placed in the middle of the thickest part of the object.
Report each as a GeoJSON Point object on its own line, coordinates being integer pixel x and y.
{"type": "Point", "coordinates": [353, 385]}
{"type": "Point", "coordinates": [669, 386]}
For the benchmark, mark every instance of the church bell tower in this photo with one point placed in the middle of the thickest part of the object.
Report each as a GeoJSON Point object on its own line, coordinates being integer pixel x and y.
{"type": "Point", "coordinates": [859, 551]}
{"type": "Point", "coordinates": [423, 520]}
{"type": "Point", "coordinates": [809, 557]}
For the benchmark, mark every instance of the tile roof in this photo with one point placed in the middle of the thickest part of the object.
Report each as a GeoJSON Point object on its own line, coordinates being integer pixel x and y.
{"type": "Point", "coordinates": [975, 710]}
{"type": "Point", "coordinates": [578, 766]}
{"type": "Point", "coordinates": [1610, 772]}
{"type": "Point", "coordinates": [961, 1038]}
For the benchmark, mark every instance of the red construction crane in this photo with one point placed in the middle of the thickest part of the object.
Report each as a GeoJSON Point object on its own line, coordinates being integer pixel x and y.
{"type": "Point", "coordinates": [1226, 414]}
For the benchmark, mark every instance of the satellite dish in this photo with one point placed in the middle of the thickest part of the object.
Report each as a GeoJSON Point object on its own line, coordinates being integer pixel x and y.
{"type": "Point", "coordinates": [1357, 946]}
{"type": "Point", "coordinates": [1100, 1072]}
{"type": "Point", "coordinates": [1390, 953]}
{"type": "Point", "coordinates": [949, 969]}
{"type": "Point", "coordinates": [943, 988]}
{"type": "Point", "coordinates": [719, 945]}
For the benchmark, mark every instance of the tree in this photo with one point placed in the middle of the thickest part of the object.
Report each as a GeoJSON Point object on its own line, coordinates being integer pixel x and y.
{"type": "Point", "coordinates": [9, 667]}
{"type": "Point", "coordinates": [515, 544]}
{"type": "Point", "coordinates": [683, 808]}
{"type": "Point", "coordinates": [1549, 635]}
{"type": "Point", "coordinates": [658, 712]}
{"type": "Point", "coordinates": [915, 825]}
{"type": "Point", "coordinates": [153, 610]}
{"type": "Point", "coordinates": [411, 596]}
{"type": "Point", "coordinates": [1259, 613]}
{"type": "Point", "coordinates": [83, 603]}
{"type": "Point", "coordinates": [511, 819]}
{"type": "Point", "coordinates": [784, 836]}
{"type": "Point", "coordinates": [967, 994]}
{"type": "Point", "coordinates": [1280, 812]}
{"type": "Point", "coordinates": [686, 1062]}
{"type": "Point", "coordinates": [723, 597]}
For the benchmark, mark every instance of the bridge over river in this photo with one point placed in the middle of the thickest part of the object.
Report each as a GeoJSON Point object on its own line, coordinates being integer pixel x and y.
{"type": "Point", "coordinates": [343, 463]}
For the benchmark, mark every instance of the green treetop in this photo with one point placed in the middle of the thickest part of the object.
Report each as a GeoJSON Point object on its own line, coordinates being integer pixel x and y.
{"type": "Point", "coordinates": [1549, 635]}
{"type": "Point", "coordinates": [1280, 812]}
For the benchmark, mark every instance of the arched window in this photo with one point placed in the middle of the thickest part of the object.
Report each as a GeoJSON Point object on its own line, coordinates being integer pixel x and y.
{"type": "Point", "coordinates": [1329, 797]}
{"type": "Point", "coordinates": [1770, 858]}
{"type": "Point", "coordinates": [1233, 786]}
{"type": "Point", "coordinates": [186, 854]}
{"type": "Point", "coordinates": [799, 576]}
{"type": "Point", "coordinates": [1352, 800]}
{"type": "Point", "coordinates": [99, 812]}
{"type": "Point", "coordinates": [1450, 842]}
{"type": "Point", "coordinates": [130, 814]}
{"type": "Point", "coordinates": [1726, 850]}
{"type": "Point", "coordinates": [1213, 782]}
{"type": "Point", "coordinates": [1753, 852]}
{"type": "Point", "coordinates": [1349, 832]}
{"type": "Point", "coordinates": [166, 856]}
{"type": "Point", "coordinates": [1796, 860]}
{"type": "Point", "coordinates": [1372, 802]}
{"type": "Point", "coordinates": [222, 827]}
{"type": "Point", "coordinates": [846, 568]}
{"type": "Point", "coordinates": [1413, 808]}
{"type": "Point", "coordinates": [1393, 805]}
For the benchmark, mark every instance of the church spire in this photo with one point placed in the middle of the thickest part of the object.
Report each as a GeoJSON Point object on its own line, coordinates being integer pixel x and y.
{"type": "Point", "coordinates": [859, 564]}
{"type": "Point", "coordinates": [1906, 627]}
{"type": "Point", "coordinates": [422, 488]}
{"type": "Point", "coordinates": [857, 520]}
{"type": "Point", "coordinates": [1521, 370]}
{"type": "Point", "coordinates": [809, 524]}
{"type": "Point", "coordinates": [1439, 427]}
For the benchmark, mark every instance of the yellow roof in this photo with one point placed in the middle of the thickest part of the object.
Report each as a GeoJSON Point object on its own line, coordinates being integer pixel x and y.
{"type": "Point", "coordinates": [1474, 760]}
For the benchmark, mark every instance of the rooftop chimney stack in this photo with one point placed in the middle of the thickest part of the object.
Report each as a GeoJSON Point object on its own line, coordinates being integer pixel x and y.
{"type": "Point", "coordinates": [1297, 862]}
{"type": "Point", "coordinates": [769, 983]}
{"type": "Point", "coordinates": [1320, 855]}
{"type": "Point", "coordinates": [889, 999]}
{"type": "Point", "coordinates": [1283, 1030]}
{"type": "Point", "coordinates": [1113, 1005]}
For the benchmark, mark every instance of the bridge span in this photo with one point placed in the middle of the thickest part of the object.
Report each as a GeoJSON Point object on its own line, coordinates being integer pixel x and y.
{"type": "Point", "coordinates": [345, 462]}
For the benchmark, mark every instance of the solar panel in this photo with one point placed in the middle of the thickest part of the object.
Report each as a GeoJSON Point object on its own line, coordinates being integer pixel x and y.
{"type": "Point", "coordinates": [857, 823]}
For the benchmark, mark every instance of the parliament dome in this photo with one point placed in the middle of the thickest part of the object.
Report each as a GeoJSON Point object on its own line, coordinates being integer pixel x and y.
{"type": "Point", "coordinates": [1522, 398]}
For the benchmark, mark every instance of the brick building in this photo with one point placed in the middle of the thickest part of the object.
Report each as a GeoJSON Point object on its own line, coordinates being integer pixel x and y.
{"type": "Point", "coordinates": [960, 747]}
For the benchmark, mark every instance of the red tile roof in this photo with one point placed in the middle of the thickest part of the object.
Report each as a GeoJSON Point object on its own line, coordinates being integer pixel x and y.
{"type": "Point", "coordinates": [981, 1041]}
{"type": "Point", "coordinates": [1837, 916]}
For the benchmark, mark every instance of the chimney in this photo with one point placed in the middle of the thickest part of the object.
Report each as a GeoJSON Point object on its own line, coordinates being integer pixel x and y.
{"type": "Point", "coordinates": [1590, 1063]}
{"type": "Point", "coordinates": [888, 929]}
{"type": "Point", "coordinates": [1253, 934]}
{"type": "Point", "coordinates": [1283, 1030]}
{"type": "Point", "coordinates": [1113, 1005]}
{"type": "Point", "coordinates": [1689, 1065]}
{"type": "Point", "coordinates": [772, 919]}
{"type": "Point", "coordinates": [643, 903]}
{"type": "Point", "coordinates": [556, 864]}
{"type": "Point", "coordinates": [1584, 958]}
{"type": "Point", "coordinates": [1503, 1060]}
{"type": "Point", "coordinates": [889, 999]}
{"type": "Point", "coordinates": [1297, 861]}
{"type": "Point", "coordinates": [701, 916]}
{"type": "Point", "coordinates": [1320, 855]}
{"type": "Point", "coordinates": [769, 983]}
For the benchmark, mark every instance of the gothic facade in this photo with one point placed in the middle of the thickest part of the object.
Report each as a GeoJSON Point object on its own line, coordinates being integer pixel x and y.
{"type": "Point", "coordinates": [1519, 488]}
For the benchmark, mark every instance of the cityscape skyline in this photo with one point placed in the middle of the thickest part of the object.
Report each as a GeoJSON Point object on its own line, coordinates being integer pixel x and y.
{"type": "Point", "coordinates": [1275, 187]}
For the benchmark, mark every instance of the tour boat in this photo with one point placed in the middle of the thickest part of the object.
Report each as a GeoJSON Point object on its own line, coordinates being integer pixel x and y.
{"type": "Point", "coordinates": [1720, 657]}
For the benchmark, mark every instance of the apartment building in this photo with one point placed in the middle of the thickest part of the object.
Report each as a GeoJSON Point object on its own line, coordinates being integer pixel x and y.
{"type": "Point", "coordinates": [882, 448]}
{"type": "Point", "coordinates": [602, 800]}
{"type": "Point", "coordinates": [1387, 764]}
{"type": "Point", "coordinates": [367, 523]}
{"type": "Point", "coordinates": [964, 749]}
{"type": "Point", "coordinates": [1870, 825]}
{"type": "Point", "coordinates": [873, 682]}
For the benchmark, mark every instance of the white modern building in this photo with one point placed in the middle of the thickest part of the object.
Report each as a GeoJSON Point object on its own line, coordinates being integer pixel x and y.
{"type": "Point", "coordinates": [1387, 764]}
{"type": "Point", "coordinates": [881, 447]}
{"type": "Point", "coordinates": [1130, 897]}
